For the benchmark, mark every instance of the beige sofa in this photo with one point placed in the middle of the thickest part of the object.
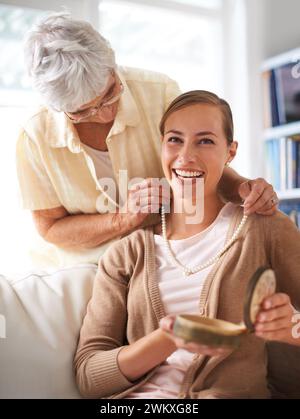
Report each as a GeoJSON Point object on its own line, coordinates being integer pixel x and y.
{"type": "Point", "coordinates": [41, 315]}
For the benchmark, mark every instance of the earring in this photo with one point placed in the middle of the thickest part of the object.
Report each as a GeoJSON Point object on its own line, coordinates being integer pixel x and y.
{"type": "Point", "coordinates": [227, 164]}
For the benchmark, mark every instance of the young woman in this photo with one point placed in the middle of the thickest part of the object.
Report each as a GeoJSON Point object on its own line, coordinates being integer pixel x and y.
{"type": "Point", "coordinates": [124, 350]}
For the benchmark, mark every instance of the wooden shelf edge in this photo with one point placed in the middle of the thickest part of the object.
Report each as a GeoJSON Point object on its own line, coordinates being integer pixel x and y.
{"type": "Point", "coordinates": [289, 194]}
{"type": "Point", "coordinates": [279, 60]}
{"type": "Point", "coordinates": [282, 131]}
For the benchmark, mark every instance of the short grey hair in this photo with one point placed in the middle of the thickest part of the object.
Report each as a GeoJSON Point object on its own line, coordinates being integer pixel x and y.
{"type": "Point", "coordinates": [68, 60]}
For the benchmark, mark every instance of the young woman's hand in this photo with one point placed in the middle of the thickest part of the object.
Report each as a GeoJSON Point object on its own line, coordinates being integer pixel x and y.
{"type": "Point", "coordinates": [259, 197]}
{"type": "Point", "coordinates": [167, 324]}
{"type": "Point", "coordinates": [275, 321]}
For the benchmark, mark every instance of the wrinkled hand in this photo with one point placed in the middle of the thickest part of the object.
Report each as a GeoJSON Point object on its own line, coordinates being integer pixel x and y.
{"type": "Point", "coordinates": [275, 320]}
{"type": "Point", "coordinates": [259, 197]}
{"type": "Point", "coordinates": [144, 198]}
{"type": "Point", "coordinates": [167, 324]}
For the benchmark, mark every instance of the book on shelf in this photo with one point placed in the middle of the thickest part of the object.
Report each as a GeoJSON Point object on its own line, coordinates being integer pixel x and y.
{"type": "Point", "coordinates": [281, 91]}
{"type": "Point", "coordinates": [274, 100]}
{"type": "Point", "coordinates": [266, 99]}
{"type": "Point", "coordinates": [283, 163]}
{"type": "Point", "coordinates": [282, 156]}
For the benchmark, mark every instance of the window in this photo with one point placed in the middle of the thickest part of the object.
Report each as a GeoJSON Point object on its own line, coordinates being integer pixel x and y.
{"type": "Point", "coordinates": [209, 4]}
{"type": "Point", "coordinates": [16, 101]}
{"type": "Point", "coordinates": [15, 94]}
{"type": "Point", "coordinates": [14, 84]}
{"type": "Point", "coordinates": [168, 36]}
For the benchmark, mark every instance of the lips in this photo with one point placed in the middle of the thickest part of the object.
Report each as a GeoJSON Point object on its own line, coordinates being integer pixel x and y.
{"type": "Point", "coordinates": [188, 174]}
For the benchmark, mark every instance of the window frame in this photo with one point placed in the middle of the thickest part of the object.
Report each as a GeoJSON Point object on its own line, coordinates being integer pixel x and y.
{"type": "Point", "coordinates": [82, 9]}
{"type": "Point", "coordinates": [174, 5]}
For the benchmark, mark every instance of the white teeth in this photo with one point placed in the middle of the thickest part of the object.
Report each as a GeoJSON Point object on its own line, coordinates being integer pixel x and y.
{"type": "Point", "coordinates": [184, 173]}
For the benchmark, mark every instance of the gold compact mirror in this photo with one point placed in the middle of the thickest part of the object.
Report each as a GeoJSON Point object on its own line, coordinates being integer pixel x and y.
{"type": "Point", "coordinates": [219, 333]}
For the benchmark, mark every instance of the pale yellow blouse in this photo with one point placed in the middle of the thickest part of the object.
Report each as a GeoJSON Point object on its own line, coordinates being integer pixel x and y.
{"type": "Point", "coordinates": [55, 170]}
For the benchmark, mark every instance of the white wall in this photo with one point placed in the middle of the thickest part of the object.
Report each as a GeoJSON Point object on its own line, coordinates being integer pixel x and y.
{"type": "Point", "coordinates": [281, 26]}
{"type": "Point", "coordinates": [243, 44]}
{"type": "Point", "coordinates": [255, 41]}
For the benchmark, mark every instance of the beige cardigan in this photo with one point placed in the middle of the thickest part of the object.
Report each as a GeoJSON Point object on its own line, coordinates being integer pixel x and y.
{"type": "Point", "coordinates": [126, 306]}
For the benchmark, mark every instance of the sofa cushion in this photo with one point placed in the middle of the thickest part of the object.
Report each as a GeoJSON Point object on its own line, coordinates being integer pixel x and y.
{"type": "Point", "coordinates": [42, 314]}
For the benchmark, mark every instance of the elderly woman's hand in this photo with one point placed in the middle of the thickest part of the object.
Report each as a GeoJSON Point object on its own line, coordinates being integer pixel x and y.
{"type": "Point", "coordinates": [144, 198]}
{"type": "Point", "coordinates": [259, 196]}
{"type": "Point", "coordinates": [167, 324]}
{"type": "Point", "coordinates": [276, 320]}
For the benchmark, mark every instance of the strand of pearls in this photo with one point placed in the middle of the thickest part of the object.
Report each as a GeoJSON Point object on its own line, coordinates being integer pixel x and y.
{"type": "Point", "coordinates": [190, 271]}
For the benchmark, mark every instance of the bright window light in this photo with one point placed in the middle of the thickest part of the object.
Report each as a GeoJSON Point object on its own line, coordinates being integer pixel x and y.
{"type": "Point", "coordinates": [16, 226]}
{"type": "Point", "coordinates": [209, 4]}
{"type": "Point", "coordinates": [185, 46]}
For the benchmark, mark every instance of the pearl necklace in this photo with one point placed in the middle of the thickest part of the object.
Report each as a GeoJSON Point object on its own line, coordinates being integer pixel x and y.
{"type": "Point", "coordinates": [190, 271]}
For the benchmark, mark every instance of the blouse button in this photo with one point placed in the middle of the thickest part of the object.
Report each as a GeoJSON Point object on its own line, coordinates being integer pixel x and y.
{"type": "Point", "coordinates": [201, 312]}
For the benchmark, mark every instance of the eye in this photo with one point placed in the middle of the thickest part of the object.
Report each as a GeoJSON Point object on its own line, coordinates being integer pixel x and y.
{"type": "Point", "coordinates": [174, 140]}
{"type": "Point", "coordinates": [206, 141]}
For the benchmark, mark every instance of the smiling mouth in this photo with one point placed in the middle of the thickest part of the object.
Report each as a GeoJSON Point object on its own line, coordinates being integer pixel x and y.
{"type": "Point", "coordinates": [188, 174]}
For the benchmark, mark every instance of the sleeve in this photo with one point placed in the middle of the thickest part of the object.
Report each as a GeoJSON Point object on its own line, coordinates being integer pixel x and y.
{"type": "Point", "coordinates": [36, 190]}
{"type": "Point", "coordinates": [103, 333]}
{"type": "Point", "coordinates": [283, 359]}
{"type": "Point", "coordinates": [172, 91]}
{"type": "Point", "coordinates": [284, 239]}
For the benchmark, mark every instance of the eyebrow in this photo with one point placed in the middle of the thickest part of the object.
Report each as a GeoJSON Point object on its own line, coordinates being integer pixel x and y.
{"type": "Point", "coordinates": [198, 133]}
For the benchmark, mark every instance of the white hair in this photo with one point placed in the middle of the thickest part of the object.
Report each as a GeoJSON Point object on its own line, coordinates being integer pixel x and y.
{"type": "Point", "coordinates": [68, 60]}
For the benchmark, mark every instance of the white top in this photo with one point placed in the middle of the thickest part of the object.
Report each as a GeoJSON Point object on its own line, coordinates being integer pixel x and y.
{"type": "Point", "coordinates": [181, 294]}
{"type": "Point", "coordinates": [104, 169]}
{"type": "Point", "coordinates": [102, 162]}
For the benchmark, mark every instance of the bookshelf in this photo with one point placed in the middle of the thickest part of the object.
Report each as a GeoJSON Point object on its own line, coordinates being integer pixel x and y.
{"type": "Point", "coordinates": [281, 100]}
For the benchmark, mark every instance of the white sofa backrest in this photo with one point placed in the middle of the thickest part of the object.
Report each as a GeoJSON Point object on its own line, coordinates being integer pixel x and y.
{"type": "Point", "coordinates": [41, 315]}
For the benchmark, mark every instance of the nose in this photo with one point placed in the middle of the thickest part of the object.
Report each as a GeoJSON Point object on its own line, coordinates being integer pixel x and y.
{"type": "Point", "coordinates": [186, 155]}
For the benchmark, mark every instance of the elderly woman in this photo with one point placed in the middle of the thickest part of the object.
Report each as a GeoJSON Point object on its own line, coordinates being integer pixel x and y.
{"type": "Point", "coordinates": [98, 119]}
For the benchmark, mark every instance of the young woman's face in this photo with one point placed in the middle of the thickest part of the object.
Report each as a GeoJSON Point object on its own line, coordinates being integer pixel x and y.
{"type": "Point", "coordinates": [194, 146]}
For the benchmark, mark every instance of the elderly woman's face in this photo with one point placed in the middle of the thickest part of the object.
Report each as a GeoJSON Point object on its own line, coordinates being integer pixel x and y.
{"type": "Point", "coordinates": [195, 146]}
{"type": "Point", "coordinates": [102, 109]}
